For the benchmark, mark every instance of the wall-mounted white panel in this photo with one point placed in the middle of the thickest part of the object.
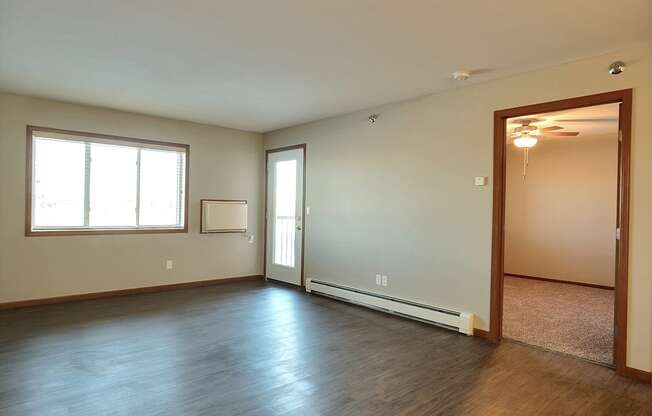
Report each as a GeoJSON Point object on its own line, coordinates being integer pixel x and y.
{"type": "Point", "coordinates": [223, 216]}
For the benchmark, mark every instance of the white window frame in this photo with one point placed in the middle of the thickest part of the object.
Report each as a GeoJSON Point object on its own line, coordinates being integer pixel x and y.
{"type": "Point", "coordinates": [88, 138]}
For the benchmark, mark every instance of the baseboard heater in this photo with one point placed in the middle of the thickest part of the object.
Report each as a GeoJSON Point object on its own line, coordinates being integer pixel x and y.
{"type": "Point", "coordinates": [457, 321]}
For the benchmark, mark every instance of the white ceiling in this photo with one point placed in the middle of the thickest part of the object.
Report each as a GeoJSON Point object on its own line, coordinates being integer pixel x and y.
{"type": "Point", "coordinates": [263, 65]}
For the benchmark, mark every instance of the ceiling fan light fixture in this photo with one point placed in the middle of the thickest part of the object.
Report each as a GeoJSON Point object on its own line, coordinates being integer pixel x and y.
{"type": "Point", "coordinates": [525, 141]}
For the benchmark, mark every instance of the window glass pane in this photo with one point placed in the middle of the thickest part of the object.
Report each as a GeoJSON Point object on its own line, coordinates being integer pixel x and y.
{"type": "Point", "coordinates": [78, 182]}
{"type": "Point", "coordinates": [113, 182]}
{"type": "Point", "coordinates": [58, 187]}
{"type": "Point", "coordinates": [161, 187]}
{"type": "Point", "coordinates": [285, 211]}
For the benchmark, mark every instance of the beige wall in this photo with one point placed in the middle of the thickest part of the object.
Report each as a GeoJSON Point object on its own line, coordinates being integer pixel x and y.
{"type": "Point", "coordinates": [560, 222]}
{"type": "Point", "coordinates": [397, 196]}
{"type": "Point", "coordinates": [224, 163]}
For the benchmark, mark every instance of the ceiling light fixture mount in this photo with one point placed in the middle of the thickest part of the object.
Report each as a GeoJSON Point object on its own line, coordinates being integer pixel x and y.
{"type": "Point", "coordinates": [461, 75]}
{"type": "Point", "coordinates": [373, 118]}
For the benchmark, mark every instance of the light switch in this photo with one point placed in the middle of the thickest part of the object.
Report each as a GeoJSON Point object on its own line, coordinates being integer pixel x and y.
{"type": "Point", "coordinates": [480, 181]}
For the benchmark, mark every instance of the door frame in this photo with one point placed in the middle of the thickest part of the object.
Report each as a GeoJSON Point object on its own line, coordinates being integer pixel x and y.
{"type": "Point", "coordinates": [498, 223]}
{"type": "Point", "coordinates": [303, 204]}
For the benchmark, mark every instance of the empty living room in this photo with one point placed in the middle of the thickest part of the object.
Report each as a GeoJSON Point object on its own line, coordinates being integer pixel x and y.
{"type": "Point", "coordinates": [264, 208]}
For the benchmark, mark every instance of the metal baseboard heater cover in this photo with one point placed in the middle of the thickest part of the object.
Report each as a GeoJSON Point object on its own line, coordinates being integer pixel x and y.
{"type": "Point", "coordinates": [457, 321]}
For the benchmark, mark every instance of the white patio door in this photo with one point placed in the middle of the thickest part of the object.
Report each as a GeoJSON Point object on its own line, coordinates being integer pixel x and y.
{"type": "Point", "coordinates": [285, 215]}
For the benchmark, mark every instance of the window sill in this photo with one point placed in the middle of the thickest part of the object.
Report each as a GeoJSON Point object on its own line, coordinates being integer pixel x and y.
{"type": "Point", "coordinates": [107, 231]}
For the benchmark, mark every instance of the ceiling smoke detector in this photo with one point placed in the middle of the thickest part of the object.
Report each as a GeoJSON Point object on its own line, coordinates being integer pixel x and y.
{"type": "Point", "coordinates": [373, 118]}
{"type": "Point", "coordinates": [461, 75]}
{"type": "Point", "coordinates": [616, 67]}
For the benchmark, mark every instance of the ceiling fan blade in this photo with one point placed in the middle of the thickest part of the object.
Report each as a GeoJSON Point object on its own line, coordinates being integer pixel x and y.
{"type": "Point", "coordinates": [588, 120]}
{"type": "Point", "coordinates": [562, 133]}
{"type": "Point", "coordinates": [526, 121]}
{"type": "Point", "coordinates": [550, 128]}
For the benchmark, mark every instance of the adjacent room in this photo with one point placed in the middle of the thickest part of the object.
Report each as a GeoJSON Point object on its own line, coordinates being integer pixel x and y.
{"type": "Point", "coordinates": [339, 208]}
{"type": "Point", "coordinates": [561, 230]}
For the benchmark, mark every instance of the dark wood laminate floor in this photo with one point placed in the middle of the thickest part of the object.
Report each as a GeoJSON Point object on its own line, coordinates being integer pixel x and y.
{"type": "Point", "coordinates": [263, 349]}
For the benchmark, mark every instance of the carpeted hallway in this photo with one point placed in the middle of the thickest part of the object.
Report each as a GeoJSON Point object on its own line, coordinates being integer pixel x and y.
{"type": "Point", "coordinates": [561, 317]}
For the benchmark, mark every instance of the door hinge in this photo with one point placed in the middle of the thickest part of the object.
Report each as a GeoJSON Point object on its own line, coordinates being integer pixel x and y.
{"type": "Point", "coordinates": [620, 135]}
{"type": "Point", "coordinates": [618, 233]}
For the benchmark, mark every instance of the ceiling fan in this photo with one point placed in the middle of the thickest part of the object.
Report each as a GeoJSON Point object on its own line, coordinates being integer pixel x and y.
{"type": "Point", "coordinates": [528, 133]}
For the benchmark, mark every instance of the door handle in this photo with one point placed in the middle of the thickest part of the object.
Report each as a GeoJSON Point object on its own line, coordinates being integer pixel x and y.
{"type": "Point", "coordinates": [299, 227]}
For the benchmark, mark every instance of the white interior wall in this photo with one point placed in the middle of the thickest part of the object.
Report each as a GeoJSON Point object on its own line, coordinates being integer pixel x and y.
{"type": "Point", "coordinates": [560, 221]}
{"type": "Point", "coordinates": [397, 196]}
{"type": "Point", "coordinates": [224, 164]}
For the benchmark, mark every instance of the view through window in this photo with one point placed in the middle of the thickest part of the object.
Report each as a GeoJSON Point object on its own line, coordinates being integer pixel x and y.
{"type": "Point", "coordinates": [88, 183]}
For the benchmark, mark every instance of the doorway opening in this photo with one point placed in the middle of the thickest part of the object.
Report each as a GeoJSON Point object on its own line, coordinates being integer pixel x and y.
{"type": "Point", "coordinates": [560, 230]}
{"type": "Point", "coordinates": [560, 226]}
{"type": "Point", "coordinates": [285, 214]}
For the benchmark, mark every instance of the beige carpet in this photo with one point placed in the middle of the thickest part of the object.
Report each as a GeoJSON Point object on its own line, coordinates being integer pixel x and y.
{"type": "Point", "coordinates": [561, 317]}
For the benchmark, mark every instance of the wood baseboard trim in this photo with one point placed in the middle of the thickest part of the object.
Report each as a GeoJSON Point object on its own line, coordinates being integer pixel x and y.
{"type": "Point", "coordinates": [125, 292]}
{"type": "Point", "coordinates": [480, 333]}
{"type": "Point", "coordinates": [638, 375]}
{"type": "Point", "coordinates": [286, 284]}
{"type": "Point", "coordinates": [545, 279]}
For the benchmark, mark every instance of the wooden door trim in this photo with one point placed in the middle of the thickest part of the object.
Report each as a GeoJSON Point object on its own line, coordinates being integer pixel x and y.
{"type": "Point", "coordinates": [498, 222]}
{"type": "Point", "coordinates": [303, 202]}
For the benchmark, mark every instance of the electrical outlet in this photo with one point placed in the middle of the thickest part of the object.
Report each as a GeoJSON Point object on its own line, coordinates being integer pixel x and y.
{"type": "Point", "coordinates": [169, 265]}
{"type": "Point", "coordinates": [378, 279]}
{"type": "Point", "coordinates": [384, 280]}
